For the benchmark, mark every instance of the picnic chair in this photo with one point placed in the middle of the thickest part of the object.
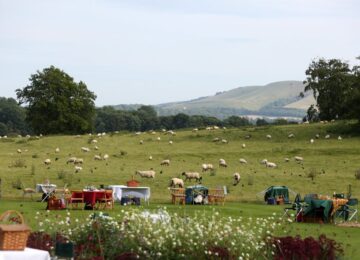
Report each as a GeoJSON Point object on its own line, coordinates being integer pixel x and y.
{"type": "Point", "coordinates": [178, 193]}
{"type": "Point", "coordinates": [216, 196]}
{"type": "Point", "coordinates": [348, 212]}
{"type": "Point", "coordinates": [107, 201]}
{"type": "Point", "coordinates": [296, 206]}
{"type": "Point", "coordinates": [27, 191]}
{"type": "Point", "coordinates": [77, 197]}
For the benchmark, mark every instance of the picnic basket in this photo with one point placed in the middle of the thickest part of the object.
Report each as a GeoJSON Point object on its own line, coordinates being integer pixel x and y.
{"type": "Point", "coordinates": [13, 236]}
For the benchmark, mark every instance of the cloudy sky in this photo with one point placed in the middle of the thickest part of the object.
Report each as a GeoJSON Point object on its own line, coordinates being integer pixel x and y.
{"type": "Point", "coordinates": [150, 52]}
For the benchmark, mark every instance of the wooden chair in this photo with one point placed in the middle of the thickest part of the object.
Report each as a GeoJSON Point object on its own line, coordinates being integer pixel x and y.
{"type": "Point", "coordinates": [216, 196]}
{"type": "Point", "coordinates": [107, 201]}
{"type": "Point", "coordinates": [28, 191]}
{"type": "Point", "coordinates": [178, 193]}
{"type": "Point", "coordinates": [77, 197]}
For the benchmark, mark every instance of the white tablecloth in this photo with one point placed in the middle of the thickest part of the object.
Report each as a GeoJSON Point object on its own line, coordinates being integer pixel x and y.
{"type": "Point", "coordinates": [45, 188]}
{"type": "Point", "coordinates": [27, 254]}
{"type": "Point", "coordinates": [120, 191]}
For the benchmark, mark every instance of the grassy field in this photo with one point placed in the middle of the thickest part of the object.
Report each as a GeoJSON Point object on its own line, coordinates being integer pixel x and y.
{"type": "Point", "coordinates": [333, 161]}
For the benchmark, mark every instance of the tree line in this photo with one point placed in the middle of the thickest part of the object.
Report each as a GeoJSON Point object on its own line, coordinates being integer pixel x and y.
{"type": "Point", "coordinates": [53, 103]}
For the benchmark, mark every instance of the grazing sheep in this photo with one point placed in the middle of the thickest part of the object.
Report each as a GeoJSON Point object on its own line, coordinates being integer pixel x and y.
{"type": "Point", "coordinates": [317, 136]}
{"type": "Point", "coordinates": [339, 138]}
{"type": "Point", "coordinates": [264, 161]}
{"type": "Point", "coordinates": [170, 142]}
{"type": "Point", "coordinates": [224, 127]}
{"type": "Point", "coordinates": [222, 163]}
{"type": "Point", "coordinates": [78, 161]}
{"type": "Point", "coordinates": [207, 166]}
{"type": "Point", "coordinates": [19, 151]}
{"type": "Point", "coordinates": [247, 136]}
{"type": "Point", "coordinates": [311, 141]}
{"type": "Point", "coordinates": [192, 175]}
{"type": "Point", "coordinates": [94, 141]}
{"type": "Point", "coordinates": [141, 142]}
{"type": "Point", "coordinates": [286, 159]}
{"type": "Point", "coordinates": [327, 136]}
{"type": "Point", "coordinates": [224, 141]}
{"type": "Point", "coordinates": [216, 139]}
{"type": "Point", "coordinates": [215, 127]}
{"type": "Point", "coordinates": [138, 133]}
{"type": "Point", "coordinates": [150, 157]}
{"type": "Point", "coordinates": [96, 148]}
{"type": "Point", "coordinates": [243, 146]}
{"type": "Point", "coordinates": [208, 128]}
{"type": "Point", "coordinates": [153, 133]}
{"type": "Point", "coordinates": [71, 160]}
{"type": "Point", "coordinates": [57, 150]}
{"type": "Point", "coordinates": [165, 162]}
{"type": "Point", "coordinates": [158, 138]}
{"type": "Point", "coordinates": [271, 164]}
{"type": "Point", "coordinates": [146, 174]}
{"type": "Point", "coordinates": [243, 161]}
{"type": "Point", "coordinates": [47, 161]}
{"type": "Point", "coordinates": [291, 136]}
{"type": "Point", "coordinates": [236, 176]}
{"type": "Point", "coordinates": [195, 130]}
{"type": "Point", "coordinates": [177, 182]}
{"type": "Point", "coordinates": [85, 149]}
{"type": "Point", "coordinates": [105, 157]}
{"type": "Point", "coordinates": [299, 159]}
{"type": "Point", "coordinates": [268, 136]}
{"type": "Point", "coordinates": [97, 157]}
{"type": "Point", "coordinates": [78, 168]}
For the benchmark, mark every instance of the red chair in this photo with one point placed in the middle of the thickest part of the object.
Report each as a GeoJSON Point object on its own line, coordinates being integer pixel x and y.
{"type": "Point", "coordinates": [107, 201]}
{"type": "Point", "coordinates": [77, 197]}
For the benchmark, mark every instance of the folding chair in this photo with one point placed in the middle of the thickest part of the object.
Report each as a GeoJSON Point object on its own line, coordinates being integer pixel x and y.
{"type": "Point", "coordinates": [107, 201]}
{"type": "Point", "coordinates": [76, 198]}
{"type": "Point", "coordinates": [348, 211]}
{"type": "Point", "coordinates": [178, 193]}
{"type": "Point", "coordinates": [296, 206]}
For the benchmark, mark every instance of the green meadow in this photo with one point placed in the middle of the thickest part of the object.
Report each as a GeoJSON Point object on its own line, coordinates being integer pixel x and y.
{"type": "Point", "coordinates": [329, 166]}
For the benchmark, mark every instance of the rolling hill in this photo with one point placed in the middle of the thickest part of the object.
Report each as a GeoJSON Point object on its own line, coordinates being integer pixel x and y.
{"type": "Point", "coordinates": [277, 99]}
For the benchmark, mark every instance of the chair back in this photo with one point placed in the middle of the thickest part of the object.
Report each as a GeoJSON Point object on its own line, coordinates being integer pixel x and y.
{"type": "Point", "coordinates": [77, 194]}
{"type": "Point", "coordinates": [352, 202]}
{"type": "Point", "coordinates": [177, 191]}
{"type": "Point", "coordinates": [108, 194]}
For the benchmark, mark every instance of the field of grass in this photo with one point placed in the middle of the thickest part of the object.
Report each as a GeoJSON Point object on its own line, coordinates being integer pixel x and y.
{"type": "Point", "coordinates": [334, 162]}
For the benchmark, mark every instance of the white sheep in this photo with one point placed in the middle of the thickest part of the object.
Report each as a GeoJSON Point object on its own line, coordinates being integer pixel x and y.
{"type": "Point", "coordinates": [158, 138]}
{"type": "Point", "coordinates": [94, 141]}
{"type": "Point", "coordinates": [47, 161]}
{"type": "Point", "coordinates": [78, 168]}
{"type": "Point", "coordinates": [96, 147]}
{"type": "Point", "coordinates": [243, 145]}
{"type": "Point", "coordinates": [165, 162]}
{"type": "Point", "coordinates": [85, 149]}
{"type": "Point", "coordinates": [224, 141]}
{"type": "Point", "coordinates": [176, 182]}
{"type": "Point", "coordinates": [264, 161]}
{"type": "Point", "coordinates": [192, 175]}
{"type": "Point", "coordinates": [195, 130]}
{"type": "Point", "coordinates": [317, 136]}
{"type": "Point", "coordinates": [287, 160]}
{"type": "Point", "coordinates": [236, 176]}
{"type": "Point", "coordinates": [97, 157]}
{"type": "Point", "coordinates": [105, 157]}
{"type": "Point", "coordinates": [311, 141]}
{"type": "Point", "coordinates": [339, 138]}
{"type": "Point", "coordinates": [299, 159]}
{"type": "Point", "coordinates": [291, 136]}
{"type": "Point", "coordinates": [271, 164]}
{"type": "Point", "coordinates": [71, 160]}
{"type": "Point", "coordinates": [216, 139]}
{"type": "Point", "coordinates": [78, 161]}
{"type": "Point", "coordinates": [243, 161]}
{"type": "Point", "coordinates": [150, 157]}
{"type": "Point", "coordinates": [170, 142]}
{"type": "Point", "coordinates": [327, 136]}
{"type": "Point", "coordinates": [207, 166]}
{"type": "Point", "coordinates": [57, 150]}
{"type": "Point", "coordinates": [18, 151]}
{"type": "Point", "coordinates": [141, 142]}
{"type": "Point", "coordinates": [146, 174]}
{"type": "Point", "coordinates": [222, 163]}
{"type": "Point", "coordinates": [268, 136]}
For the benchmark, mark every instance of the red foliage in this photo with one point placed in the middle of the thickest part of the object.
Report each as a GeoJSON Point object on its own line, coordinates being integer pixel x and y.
{"type": "Point", "coordinates": [295, 248]}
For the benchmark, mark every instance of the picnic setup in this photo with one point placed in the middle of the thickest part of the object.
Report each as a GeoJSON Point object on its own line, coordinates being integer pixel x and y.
{"type": "Point", "coordinates": [313, 208]}
{"type": "Point", "coordinates": [91, 197]}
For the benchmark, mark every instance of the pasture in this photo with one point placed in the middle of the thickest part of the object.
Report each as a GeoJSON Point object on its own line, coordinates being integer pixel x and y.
{"type": "Point", "coordinates": [331, 162]}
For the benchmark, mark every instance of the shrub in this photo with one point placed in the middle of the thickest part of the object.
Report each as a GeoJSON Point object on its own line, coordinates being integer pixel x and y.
{"type": "Point", "coordinates": [312, 173]}
{"type": "Point", "coordinates": [357, 174]}
{"type": "Point", "coordinates": [19, 163]}
{"type": "Point", "coordinates": [308, 248]}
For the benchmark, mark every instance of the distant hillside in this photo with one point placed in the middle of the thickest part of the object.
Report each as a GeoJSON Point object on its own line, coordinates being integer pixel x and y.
{"type": "Point", "coordinates": [278, 99]}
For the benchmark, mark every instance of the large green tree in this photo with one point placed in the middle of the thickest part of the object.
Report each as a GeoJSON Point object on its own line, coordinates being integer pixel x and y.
{"type": "Point", "coordinates": [57, 104]}
{"type": "Point", "coordinates": [331, 83]}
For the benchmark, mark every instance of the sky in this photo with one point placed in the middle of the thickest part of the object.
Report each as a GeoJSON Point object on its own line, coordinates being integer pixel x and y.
{"type": "Point", "coordinates": [159, 51]}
